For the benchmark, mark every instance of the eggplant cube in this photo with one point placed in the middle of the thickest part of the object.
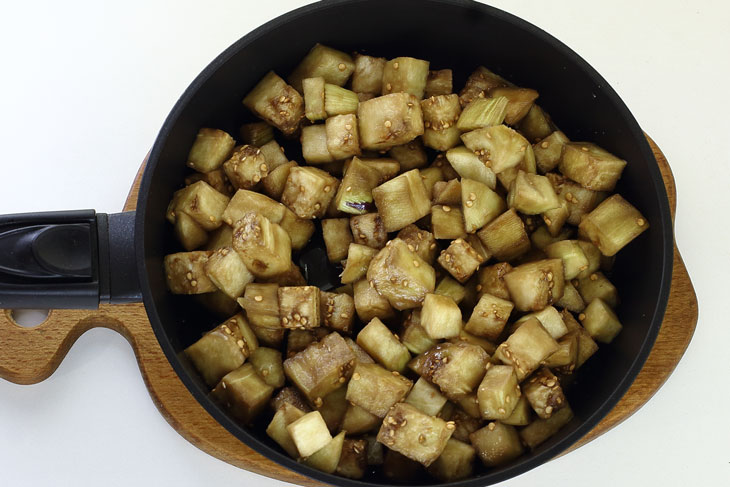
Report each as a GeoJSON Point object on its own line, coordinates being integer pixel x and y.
{"type": "Point", "coordinates": [327, 458]}
{"type": "Point", "coordinates": [526, 348]}
{"type": "Point", "coordinates": [426, 397]}
{"type": "Point", "coordinates": [314, 145]}
{"type": "Point", "coordinates": [613, 224]}
{"type": "Point", "coordinates": [536, 285]}
{"type": "Point", "coordinates": [401, 276]}
{"type": "Point", "coordinates": [541, 429]}
{"type": "Point", "coordinates": [549, 150]}
{"type": "Point", "coordinates": [491, 280]}
{"type": "Point", "coordinates": [263, 246]}
{"type": "Point", "coordinates": [440, 114]}
{"type": "Point", "coordinates": [354, 458]}
{"type": "Point", "coordinates": [309, 191]}
{"type": "Point", "coordinates": [185, 273]}
{"type": "Point", "coordinates": [313, 90]}
{"type": "Point", "coordinates": [479, 204]}
{"type": "Point", "coordinates": [369, 230]}
{"type": "Point", "coordinates": [498, 393]}
{"type": "Point", "coordinates": [268, 365]}
{"type": "Point", "coordinates": [261, 303]}
{"type": "Point", "coordinates": [357, 420]}
{"type": "Point", "coordinates": [277, 103]}
{"type": "Point", "coordinates": [520, 102]}
{"type": "Point", "coordinates": [596, 285]}
{"type": "Point", "coordinates": [449, 287]}
{"type": "Point", "coordinates": [369, 303]}
{"type": "Point", "coordinates": [497, 444]}
{"type": "Point", "coordinates": [368, 74]}
{"type": "Point", "coordinates": [322, 61]}
{"type": "Point", "coordinates": [299, 306]}
{"type": "Point", "coordinates": [402, 200]}
{"type": "Point", "coordinates": [460, 260]}
{"type": "Point", "coordinates": [189, 233]}
{"type": "Point", "coordinates": [337, 311]}
{"type": "Point", "coordinates": [456, 462]}
{"type": "Point", "coordinates": [405, 74]}
{"type": "Point", "coordinates": [457, 368]}
{"type": "Point", "coordinates": [544, 393]}
{"type": "Point", "coordinates": [343, 140]}
{"type": "Point", "coordinates": [322, 367]}
{"type": "Point", "coordinates": [246, 167]}
{"type": "Point", "coordinates": [505, 237]}
{"type": "Point", "coordinates": [439, 82]}
{"type": "Point", "coordinates": [440, 317]}
{"type": "Point", "coordinates": [285, 415]}
{"type": "Point", "coordinates": [591, 166]}
{"type": "Point", "coordinates": [245, 201]}
{"type": "Point", "coordinates": [601, 322]}
{"type": "Point", "coordinates": [378, 341]}
{"type": "Point", "coordinates": [218, 352]}
{"type": "Point", "coordinates": [389, 120]}
{"type": "Point", "coordinates": [309, 433]}
{"type": "Point", "coordinates": [210, 150]}
{"type": "Point", "coordinates": [414, 336]}
{"type": "Point", "coordinates": [479, 84]}
{"type": "Point", "coordinates": [203, 204]}
{"type": "Point", "coordinates": [572, 255]}
{"type": "Point", "coordinates": [375, 389]}
{"type": "Point", "coordinates": [414, 434]}
{"type": "Point", "coordinates": [499, 147]}
{"type": "Point", "coordinates": [447, 222]}
{"type": "Point", "coordinates": [228, 272]}
{"type": "Point", "coordinates": [244, 393]}
{"type": "Point", "coordinates": [358, 261]}
{"type": "Point", "coordinates": [550, 319]}
{"type": "Point", "coordinates": [422, 242]}
{"type": "Point", "coordinates": [532, 194]}
{"type": "Point", "coordinates": [489, 317]}
{"type": "Point", "coordinates": [256, 133]}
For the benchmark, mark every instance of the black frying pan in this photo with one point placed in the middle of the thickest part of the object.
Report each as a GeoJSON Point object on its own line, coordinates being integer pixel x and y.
{"type": "Point", "coordinates": [77, 259]}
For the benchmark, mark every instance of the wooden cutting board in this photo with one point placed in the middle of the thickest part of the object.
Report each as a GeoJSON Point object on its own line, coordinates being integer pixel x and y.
{"type": "Point", "coordinates": [29, 355]}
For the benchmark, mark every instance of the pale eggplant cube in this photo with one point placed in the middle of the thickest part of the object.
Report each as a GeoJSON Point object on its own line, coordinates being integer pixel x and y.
{"type": "Point", "coordinates": [246, 167]}
{"type": "Point", "coordinates": [218, 352]}
{"type": "Point", "coordinates": [410, 156]}
{"type": "Point", "coordinates": [600, 321]}
{"type": "Point", "coordinates": [491, 280]}
{"type": "Point", "coordinates": [389, 120]}
{"type": "Point", "coordinates": [536, 285]}
{"type": "Point", "coordinates": [544, 393]}
{"type": "Point", "coordinates": [550, 319]}
{"type": "Point", "coordinates": [401, 276]}
{"type": "Point", "coordinates": [382, 345]}
{"type": "Point", "coordinates": [456, 462]}
{"type": "Point", "coordinates": [520, 102]}
{"type": "Point", "coordinates": [309, 433]}
{"type": "Point", "coordinates": [339, 101]}
{"type": "Point", "coordinates": [426, 397]}
{"type": "Point", "coordinates": [376, 389]}
{"type": "Point", "coordinates": [203, 204]}
{"type": "Point", "coordinates": [361, 356]}
{"type": "Point", "coordinates": [190, 235]}
{"type": "Point", "coordinates": [269, 366]}
{"type": "Point", "coordinates": [337, 238]}
{"type": "Point", "coordinates": [422, 242]}
{"type": "Point", "coordinates": [596, 285]}
{"type": "Point", "coordinates": [244, 393]}
{"type": "Point", "coordinates": [405, 74]}
{"type": "Point", "coordinates": [277, 103]}
{"type": "Point", "coordinates": [498, 146]}
{"type": "Point", "coordinates": [526, 348]}
{"type": "Point", "coordinates": [483, 112]}
{"type": "Point", "coordinates": [274, 154]}
{"type": "Point", "coordinates": [263, 246]}
{"type": "Point", "coordinates": [522, 413]}
{"type": "Point", "coordinates": [343, 140]}
{"type": "Point", "coordinates": [313, 90]}
{"type": "Point", "coordinates": [460, 260]}
{"type": "Point", "coordinates": [505, 237]}
{"type": "Point", "coordinates": [447, 222]}
{"type": "Point", "coordinates": [337, 311]}
{"type": "Point", "coordinates": [416, 435]}
{"type": "Point", "coordinates": [534, 434]}
{"type": "Point", "coordinates": [228, 272]}
{"type": "Point", "coordinates": [275, 182]}
{"type": "Point", "coordinates": [210, 149]}
{"type": "Point", "coordinates": [322, 367]}
{"type": "Point", "coordinates": [354, 459]}
{"type": "Point", "coordinates": [261, 303]}
{"type": "Point", "coordinates": [489, 317]}
{"type": "Point", "coordinates": [451, 288]}
{"type": "Point", "coordinates": [309, 191]}
{"type": "Point", "coordinates": [479, 84]}
{"type": "Point", "coordinates": [369, 229]}
{"type": "Point", "coordinates": [498, 393]}
{"type": "Point", "coordinates": [479, 204]}
{"type": "Point", "coordinates": [497, 444]}
{"type": "Point", "coordinates": [358, 421]}
{"type": "Point", "coordinates": [357, 263]}
{"type": "Point", "coordinates": [368, 74]}
{"type": "Point", "coordinates": [532, 194]}
{"type": "Point", "coordinates": [456, 367]}
{"type": "Point", "coordinates": [439, 82]}
{"type": "Point", "coordinates": [185, 272]}
{"type": "Point", "coordinates": [369, 303]}
{"type": "Point", "coordinates": [612, 225]}
{"type": "Point", "coordinates": [402, 200]}
{"type": "Point", "coordinates": [327, 458]}
{"type": "Point", "coordinates": [245, 201]}
{"type": "Point", "coordinates": [314, 145]}
{"type": "Point", "coordinates": [322, 61]}
{"type": "Point", "coordinates": [256, 133]}
{"type": "Point", "coordinates": [299, 307]}
{"type": "Point", "coordinates": [285, 415]}
{"type": "Point", "coordinates": [592, 167]}
{"type": "Point", "coordinates": [469, 166]}
{"type": "Point", "coordinates": [216, 178]}
{"type": "Point", "coordinates": [414, 336]}
{"type": "Point", "coordinates": [440, 317]}
{"type": "Point", "coordinates": [549, 150]}
{"type": "Point", "coordinates": [572, 255]}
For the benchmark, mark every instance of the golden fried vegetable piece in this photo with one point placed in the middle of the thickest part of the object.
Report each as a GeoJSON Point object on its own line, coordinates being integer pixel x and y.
{"type": "Point", "coordinates": [299, 306]}
{"type": "Point", "coordinates": [544, 393]}
{"type": "Point", "coordinates": [277, 103]}
{"type": "Point", "coordinates": [210, 149]}
{"type": "Point", "coordinates": [378, 341]}
{"type": "Point", "coordinates": [263, 246]}
{"type": "Point", "coordinates": [612, 225]}
{"type": "Point", "coordinates": [185, 273]}
{"type": "Point", "coordinates": [591, 166]}
{"type": "Point", "coordinates": [376, 389]}
{"type": "Point", "coordinates": [246, 167]}
{"type": "Point", "coordinates": [389, 120]}
{"type": "Point", "coordinates": [402, 200]}
{"type": "Point", "coordinates": [526, 348]}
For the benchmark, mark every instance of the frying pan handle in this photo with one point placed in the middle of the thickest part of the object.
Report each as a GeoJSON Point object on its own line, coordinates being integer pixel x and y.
{"type": "Point", "coordinates": [67, 260]}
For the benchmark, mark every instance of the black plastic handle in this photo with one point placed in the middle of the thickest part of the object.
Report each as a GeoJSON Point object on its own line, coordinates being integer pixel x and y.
{"type": "Point", "coordinates": [67, 260]}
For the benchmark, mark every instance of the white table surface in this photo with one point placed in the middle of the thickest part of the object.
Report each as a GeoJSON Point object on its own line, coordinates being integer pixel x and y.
{"type": "Point", "coordinates": [85, 86]}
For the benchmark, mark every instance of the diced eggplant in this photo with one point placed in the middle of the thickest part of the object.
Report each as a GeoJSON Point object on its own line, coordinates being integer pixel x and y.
{"type": "Point", "coordinates": [549, 150]}
{"type": "Point", "coordinates": [327, 458]}
{"type": "Point", "coordinates": [414, 336]}
{"type": "Point", "coordinates": [292, 397]}
{"type": "Point", "coordinates": [455, 463]}
{"type": "Point", "coordinates": [550, 319]}
{"type": "Point", "coordinates": [535, 285]}
{"type": "Point", "coordinates": [274, 155]}
{"type": "Point", "coordinates": [410, 156]}
{"type": "Point", "coordinates": [483, 112]}
{"type": "Point", "coordinates": [228, 272]}
{"type": "Point", "coordinates": [498, 147]}
{"type": "Point", "coordinates": [447, 222]}
{"type": "Point", "coordinates": [489, 317]}
{"type": "Point", "coordinates": [245, 201]}
{"type": "Point", "coordinates": [263, 246]}
{"type": "Point", "coordinates": [505, 237]}
{"type": "Point", "coordinates": [440, 115]}
{"type": "Point", "coordinates": [447, 193]}
{"type": "Point", "coordinates": [586, 345]}
{"type": "Point", "coordinates": [389, 120]}
{"type": "Point", "coordinates": [185, 273]}
{"type": "Point", "coordinates": [536, 125]}
{"type": "Point", "coordinates": [297, 340]}
{"type": "Point", "coordinates": [422, 242]}
{"type": "Point", "coordinates": [308, 191]}
{"type": "Point", "coordinates": [612, 225]}
{"type": "Point", "coordinates": [361, 356]}
{"type": "Point", "coordinates": [556, 218]}
{"type": "Point", "coordinates": [491, 280]}
{"type": "Point", "coordinates": [313, 90]}
{"type": "Point", "coordinates": [220, 351]}
{"type": "Point", "coordinates": [414, 434]}
{"type": "Point", "coordinates": [368, 74]}
{"type": "Point", "coordinates": [540, 430]}
{"type": "Point", "coordinates": [203, 204]}
{"type": "Point", "coordinates": [580, 201]}
{"type": "Point", "coordinates": [402, 200]}
{"type": "Point", "coordinates": [339, 101]}
{"type": "Point", "coordinates": [277, 103]}
{"type": "Point", "coordinates": [498, 393]}
{"type": "Point", "coordinates": [358, 421]}
{"type": "Point", "coordinates": [332, 65]}
{"type": "Point", "coordinates": [566, 355]}
{"type": "Point", "coordinates": [532, 194]}
{"type": "Point", "coordinates": [261, 303]}
{"type": "Point", "coordinates": [439, 82]}
{"type": "Point", "coordinates": [426, 397]}
{"type": "Point", "coordinates": [332, 408]}
{"type": "Point", "coordinates": [299, 307]}
{"type": "Point", "coordinates": [375, 389]}
{"type": "Point", "coordinates": [451, 288]}
{"type": "Point", "coordinates": [322, 367]}
{"type": "Point", "coordinates": [342, 136]}
{"type": "Point", "coordinates": [600, 321]}
{"type": "Point", "coordinates": [354, 459]}
{"type": "Point", "coordinates": [314, 145]}
{"type": "Point", "coordinates": [256, 133]}
{"type": "Point", "coordinates": [216, 178]}
{"type": "Point", "coordinates": [571, 300]}
{"type": "Point", "coordinates": [268, 365]}
{"type": "Point", "coordinates": [497, 444]}
{"type": "Point", "coordinates": [369, 303]}
{"type": "Point", "coordinates": [526, 348]}
{"type": "Point", "coordinates": [596, 285]}
{"type": "Point", "coordinates": [218, 304]}
{"type": "Point", "coordinates": [244, 393]}
{"type": "Point", "coordinates": [309, 433]}
{"type": "Point", "coordinates": [401, 276]}
{"type": "Point", "coordinates": [591, 166]}
{"type": "Point", "coordinates": [358, 261]}
{"type": "Point", "coordinates": [468, 165]}
{"type": "Point", "coordinates": [277, 431]}
{"type": "Point", "coordinates": [190, 235]}
{"type": "Point", "coordinates": [522, 413]}
{"type": "Point", "coordinates": [544, 393]}
{"type": "Point", "coordinates": [479, 84]}
{"type": "Point", "coordinates": [480, 205]}
{"type": "Point", "coordinates": [405, 74]}
{"type": "Point", "coordinates": [457, 368]}
{"type": "Point", "coordinates": [246, 167]}
{"type": "Point", "coordinates": [378, 341]}
{"type": "Point", "coordinates": [210, 149]}
{"type": "Point", "coordinates": [520, 102]}
{"type": "Point", "coordinates": [337, 311]}
{"type": "Point", "coordinates": [337, 238]}
{"type": "Point", "coordinates": [541, 237]}
{"type": "Point", "coordinates": [440, 317]}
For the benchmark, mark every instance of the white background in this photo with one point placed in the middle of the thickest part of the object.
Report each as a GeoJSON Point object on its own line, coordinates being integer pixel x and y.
{"type": "Point", "coordinates": [85, 86]}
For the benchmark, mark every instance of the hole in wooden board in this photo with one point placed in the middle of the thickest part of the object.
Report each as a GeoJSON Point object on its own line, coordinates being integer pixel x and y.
{"type": "Point", "coordinates": [29, 318]}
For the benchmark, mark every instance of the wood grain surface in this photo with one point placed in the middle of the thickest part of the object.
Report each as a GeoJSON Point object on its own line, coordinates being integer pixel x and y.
{"type": "Point", "coordinates": [29, 355]}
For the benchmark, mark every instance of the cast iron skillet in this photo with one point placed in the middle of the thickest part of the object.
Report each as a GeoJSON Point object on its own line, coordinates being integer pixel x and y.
{"type": "Point", "coordinates": [76, 259]}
